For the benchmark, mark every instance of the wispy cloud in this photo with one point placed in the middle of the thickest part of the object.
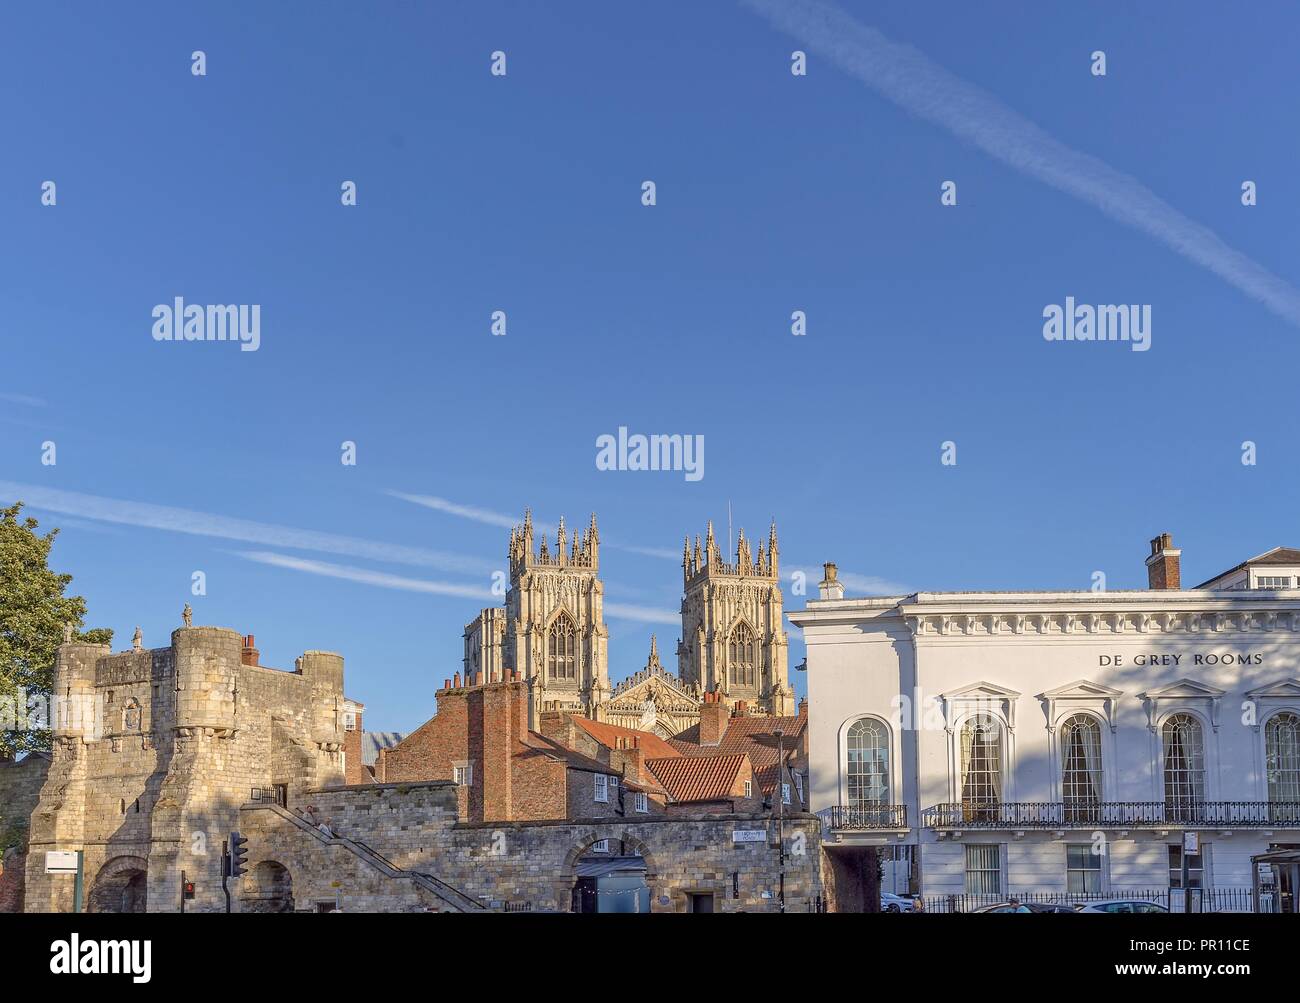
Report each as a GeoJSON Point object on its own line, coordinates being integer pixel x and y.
{"type": "Point", "coordinates": [365, 576]}
{"type": "Point", "coordinates": [927, 90]}
{"type": "Point", "coordinates": [180, 520]}
{"type": "Point", "coordinates": [854, 584]}
{"type": "Point", "coordinates": [24, 399]}
{"type": "Point", "coordinates": [490, 518]}
{"type": "Point", "coordinates": [641, 614]}
{"type": "Point", "coordinates": [381, 579]}
{"type": "Point", "coordinates": [470, 512]}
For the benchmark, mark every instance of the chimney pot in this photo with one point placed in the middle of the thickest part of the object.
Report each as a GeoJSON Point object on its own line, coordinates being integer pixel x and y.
{"type": "Point", "coordinates": [831, 587]}
{"type": "Point", "coordinates": [456, 676]}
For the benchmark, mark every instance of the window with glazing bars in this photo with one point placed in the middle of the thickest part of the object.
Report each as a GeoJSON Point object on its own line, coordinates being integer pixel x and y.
{"type": "Point", "coordinates": [984, 869]}
{"type": "Point", "coordinates": [1184, 767]}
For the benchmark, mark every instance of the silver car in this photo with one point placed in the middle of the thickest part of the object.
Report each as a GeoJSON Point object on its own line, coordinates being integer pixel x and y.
{"type": "Point", "coordinates": [1122, 905]}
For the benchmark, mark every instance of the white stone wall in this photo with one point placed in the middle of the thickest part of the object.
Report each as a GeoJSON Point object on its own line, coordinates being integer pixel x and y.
{"type": "Point", "coordinates": [1019, 656]}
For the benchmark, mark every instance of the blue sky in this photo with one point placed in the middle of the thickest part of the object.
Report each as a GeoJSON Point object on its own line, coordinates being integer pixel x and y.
{"type": "Point", "coordinates": [477, 193]}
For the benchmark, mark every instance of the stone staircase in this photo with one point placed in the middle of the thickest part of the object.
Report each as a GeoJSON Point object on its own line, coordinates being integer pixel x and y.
{"type": "Point", "coordinates": [422, 885]}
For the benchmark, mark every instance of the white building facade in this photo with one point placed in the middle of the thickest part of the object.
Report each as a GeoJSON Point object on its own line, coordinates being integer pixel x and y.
{"type": "Point", "coordinates": [1013, 743]}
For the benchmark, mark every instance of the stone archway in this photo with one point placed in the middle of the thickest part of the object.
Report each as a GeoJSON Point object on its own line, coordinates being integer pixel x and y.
{"type": "Point", "coordinates": [567, 883]}
{"type": "Point", "coordinates": [268, 887]}
{"type": "Point", "coordinates": [122, 885]}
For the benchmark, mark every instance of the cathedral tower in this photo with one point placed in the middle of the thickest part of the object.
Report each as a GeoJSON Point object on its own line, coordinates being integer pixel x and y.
{"type": "Point", "coordinates": [733, 642]}
{"type": "Point", "coordinates": [553, 630]}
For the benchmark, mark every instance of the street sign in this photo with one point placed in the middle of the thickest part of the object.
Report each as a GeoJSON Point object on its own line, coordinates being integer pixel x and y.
{"type": "Point", "coordinates": [1191, 842]}
{"type": "Point", "coordinates": [60, 861]}
{"type": "Point", "coordinates": [749, 835]}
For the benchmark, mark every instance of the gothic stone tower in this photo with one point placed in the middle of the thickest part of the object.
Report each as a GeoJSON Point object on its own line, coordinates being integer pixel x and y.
{"type": "Point", "coordinates": [553, 630]}
{"type": "Point", "coordinates": [732, 639]}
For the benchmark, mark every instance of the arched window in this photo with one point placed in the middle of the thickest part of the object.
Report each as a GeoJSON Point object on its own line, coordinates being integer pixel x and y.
{"type": "Point", "coordinates": [1282, 766]}
{"type": "Point", "coordinates": [561, 649]}
{"type": "Point", "coordinates": [1184, 768]}
{"type": "Point", "coordinates": [981, 767]}
{"type": "Point", "coordinates": [744, 668]}
{"type": "Point", "coordinates": [867, 769]}
{"type": "Point", "coordinates": [1081, 768]}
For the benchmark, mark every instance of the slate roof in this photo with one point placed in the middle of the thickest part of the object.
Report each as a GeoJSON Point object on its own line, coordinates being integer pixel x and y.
{"type": "Point", "coordinates": [373, 741]}
{"type": "Point", "coordinates": [1278, 555]}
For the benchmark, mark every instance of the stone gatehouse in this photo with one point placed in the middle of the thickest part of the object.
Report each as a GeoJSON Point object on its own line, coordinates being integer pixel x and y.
{"type": "Point", "coordinates": [155, 751]}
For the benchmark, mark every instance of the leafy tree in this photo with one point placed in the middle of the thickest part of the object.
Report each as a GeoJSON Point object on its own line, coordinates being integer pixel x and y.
{"type": "Point", "coordinates": [33, 611]}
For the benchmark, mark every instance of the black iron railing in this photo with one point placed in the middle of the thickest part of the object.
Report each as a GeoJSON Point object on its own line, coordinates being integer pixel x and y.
{"type": "Point", "coordinates": [1111, 814]}
{"type": "Point", "coordinates": [1203, 900]}
{"type": "Point", "coordinates": [870, 816]}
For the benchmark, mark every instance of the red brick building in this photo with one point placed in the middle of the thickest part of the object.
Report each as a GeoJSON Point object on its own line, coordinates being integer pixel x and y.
{"type": "Point", "coordinates": [576, 768]}
{"type": "Point", "coordinates": [506, 772]}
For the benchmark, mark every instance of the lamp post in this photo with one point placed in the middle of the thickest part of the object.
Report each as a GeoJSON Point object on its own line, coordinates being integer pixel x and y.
{"type": "Point", "coordinates": [777, 738]}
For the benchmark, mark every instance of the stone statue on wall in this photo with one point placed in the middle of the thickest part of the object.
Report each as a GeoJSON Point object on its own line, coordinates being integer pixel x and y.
{"type": "Point", "coordinates": [67, 633]}
{"type": "Point", "coordinates": [137, 642]}
{"type": "Point", "coordinates": [187, 615]}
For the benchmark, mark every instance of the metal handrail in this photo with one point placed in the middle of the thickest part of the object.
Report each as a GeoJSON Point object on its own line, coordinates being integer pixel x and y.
{"type": "Point", "coordinates": [869, 816]}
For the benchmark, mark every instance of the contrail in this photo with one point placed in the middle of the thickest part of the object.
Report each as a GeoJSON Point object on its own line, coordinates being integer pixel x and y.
{"type": "Point", "coordinates": [924, 88]}
{"type": "Point", "coordinates": [365, 576]}
{"type": "Point", "coordinates": [382, 579]}
{"type": "Point", "coordinates": [490, 518]}
{"type": "Point", "coordinates": [195, 523]}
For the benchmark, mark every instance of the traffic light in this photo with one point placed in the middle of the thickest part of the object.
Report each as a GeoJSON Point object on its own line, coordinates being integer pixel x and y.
{"type": "Point", "coordinates": [238, 854]}
{"type": "Point", "coordinates": [188, 886]}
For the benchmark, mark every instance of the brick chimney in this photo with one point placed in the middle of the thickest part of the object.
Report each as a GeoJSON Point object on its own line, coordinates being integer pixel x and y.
{"type": "Point", "coordinates": [630, 759]}
{"type": "Point", "coordinates": [558, 726]}
{"type": "Point", "coordinates": [249, 654]}
{"type": "Point", "coordinates": [502, 724]}
{"type": "Point", "coordinates": [713, 719]}
{"type": "Point", "coordinates": [1162, 566]}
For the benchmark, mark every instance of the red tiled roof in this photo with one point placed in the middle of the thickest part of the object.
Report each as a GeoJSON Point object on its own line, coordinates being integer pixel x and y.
{"type": "Point", "coordinates": [614, 736]}
{"type": "Point", "coordinates": [698, 778]}
{"type": "Point", "coordinates": [740, 738]}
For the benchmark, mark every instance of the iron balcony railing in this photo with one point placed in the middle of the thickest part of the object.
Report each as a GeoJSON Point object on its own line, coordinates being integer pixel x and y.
{"type": "Point", "coordinates": [870, 816]}
{"type": "Point", "coordinates": [1111, 814]}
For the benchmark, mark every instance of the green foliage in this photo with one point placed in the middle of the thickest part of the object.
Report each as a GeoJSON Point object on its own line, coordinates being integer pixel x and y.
{"type": "Point", "coordinates": [33, 611]}
{"type": "Point", "coordinates": [12, 834]}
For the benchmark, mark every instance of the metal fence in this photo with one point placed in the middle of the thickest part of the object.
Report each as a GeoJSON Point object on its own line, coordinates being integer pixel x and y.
{"type": "Point", "coordinates": [1111, 814]}
{"type": "Point", "coordinates": [1203, 899]}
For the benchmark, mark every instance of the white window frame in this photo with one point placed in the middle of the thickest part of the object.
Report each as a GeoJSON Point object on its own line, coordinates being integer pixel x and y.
{"type": "Point", "coordinates": [987, 849]}
{"type": "Point", "coordinates": [785, 794]}
{"type": "Point", "coordinates": [749, 788]}
{"type": "Point", "coordinates": [1100, 869]}
{"type": "Point", "coordinates": [463, 775]}
{"type": "Point", "coordinates": [601, 791]}
{"type": "Point", "coordinates": [600, 846]}
{"type": "Point", "coordinates": [643, 803]}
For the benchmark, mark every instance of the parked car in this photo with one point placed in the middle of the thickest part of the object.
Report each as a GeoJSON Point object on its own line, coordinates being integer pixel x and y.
{"type": "Point", "coordinates": [889, 902]}
{"type": "Point", "coordinates": [1122, 905]}
{"type": "Point", "coordinates": [1027, 907]}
